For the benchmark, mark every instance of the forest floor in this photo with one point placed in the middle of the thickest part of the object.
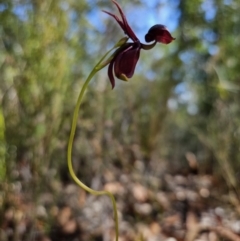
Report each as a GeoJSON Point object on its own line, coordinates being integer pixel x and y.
{"type": "Point", "coordinates": [189, 206]}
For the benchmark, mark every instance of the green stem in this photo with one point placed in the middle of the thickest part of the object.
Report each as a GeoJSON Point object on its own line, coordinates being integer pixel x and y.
{"type": "Point", "coordinates": [71, 138]}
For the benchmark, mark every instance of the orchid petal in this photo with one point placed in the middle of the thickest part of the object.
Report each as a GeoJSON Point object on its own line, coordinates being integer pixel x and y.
{"type": "Point", "coordinates": [127, 29]}
{"type": "Point", "coordinates": [117, 19]}
{"type": "Point", "coordinates": [110, 74]}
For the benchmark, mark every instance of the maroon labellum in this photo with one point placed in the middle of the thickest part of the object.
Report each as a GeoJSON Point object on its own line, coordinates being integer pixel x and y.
{"type": "Point", "coordinates": [159, 33]}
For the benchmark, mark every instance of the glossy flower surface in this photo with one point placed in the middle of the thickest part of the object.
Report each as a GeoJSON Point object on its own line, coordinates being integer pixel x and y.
{"type": "Point", "coordinates": [125, 58]}
{"type": "Point", "coordinates": [159, 33]}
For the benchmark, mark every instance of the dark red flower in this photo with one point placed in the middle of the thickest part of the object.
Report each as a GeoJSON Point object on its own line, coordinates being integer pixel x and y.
{"type": "Point", "coordinates": [126, 57]}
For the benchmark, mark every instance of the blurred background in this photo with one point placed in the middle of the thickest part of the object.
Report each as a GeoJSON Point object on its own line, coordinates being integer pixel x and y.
{"type": "Point", "coordinates": [166, 143]}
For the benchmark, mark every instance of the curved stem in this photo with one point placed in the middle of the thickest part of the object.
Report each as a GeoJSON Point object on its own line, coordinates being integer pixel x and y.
{"type": "Point", "coordinates": [148, 46]}
{"type": "Point", "coordinates": [71, 138]}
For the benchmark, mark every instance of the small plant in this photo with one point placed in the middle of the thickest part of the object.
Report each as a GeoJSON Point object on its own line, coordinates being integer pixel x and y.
{"type": "Point", "coordinates": [121, 63]}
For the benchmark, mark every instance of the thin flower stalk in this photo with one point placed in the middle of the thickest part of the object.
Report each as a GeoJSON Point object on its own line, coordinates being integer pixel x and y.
{"type": "Point", "coordinates": [121, 64]}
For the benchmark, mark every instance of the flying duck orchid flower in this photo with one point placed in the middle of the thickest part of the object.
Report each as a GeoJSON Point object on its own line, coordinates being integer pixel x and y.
{"type": "Point", "coordinates": [125, 58]}
{"type": "Point", "coordinates": [121, 64]}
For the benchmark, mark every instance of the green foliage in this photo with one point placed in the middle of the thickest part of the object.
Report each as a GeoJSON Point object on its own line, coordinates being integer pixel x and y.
{"type": "Point", "coordinates": [214, 80]}
{"type": "Point", "coordinates": [2, 148]}
{"type": "Point", "coordinates": [36, 81]}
